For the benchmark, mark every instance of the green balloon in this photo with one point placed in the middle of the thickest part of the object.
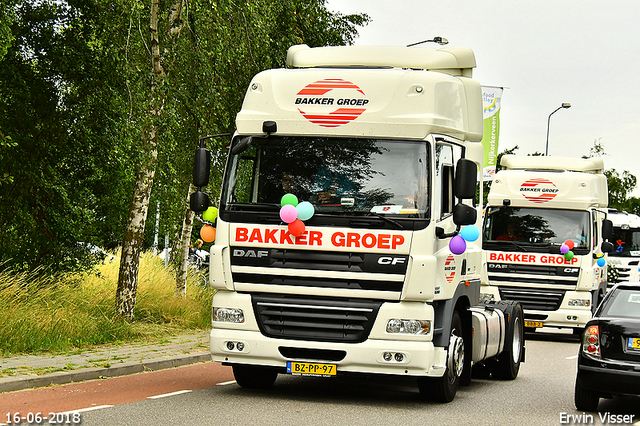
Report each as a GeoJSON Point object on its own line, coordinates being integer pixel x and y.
{"type": "Point", "coordinates": [289, 199]}
{"type": "Point", "coordinates": [210, 215]}
{"type": "Point", "coordinates": [568, 255]}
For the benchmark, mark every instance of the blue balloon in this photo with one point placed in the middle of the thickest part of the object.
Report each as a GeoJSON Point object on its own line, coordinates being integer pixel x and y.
{"type": "Point", "coordinates": [601, 262]}
{"type": "Point", "coordinates": [470, 233]}
{"type": "Point", "coordinates": [305, 210]}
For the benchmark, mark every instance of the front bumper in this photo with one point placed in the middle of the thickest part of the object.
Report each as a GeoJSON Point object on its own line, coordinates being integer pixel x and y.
{"type": "Point", "coordinates": [419, 358]}
{"type": "Point", "coordinates": [419, 355]}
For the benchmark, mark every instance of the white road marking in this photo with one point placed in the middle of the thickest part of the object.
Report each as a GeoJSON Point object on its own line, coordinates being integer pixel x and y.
{"type": "Point", "coordinates": [169, 394]}
{"type": "Point", "coordinates": [226, 383]}
{"type": "Point", "coordinates": [82, 410]}
{"type": "Point", "coordinates": [572, 357]}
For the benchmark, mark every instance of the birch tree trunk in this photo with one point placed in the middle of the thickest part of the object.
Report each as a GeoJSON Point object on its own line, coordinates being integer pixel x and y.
{"type": "Point", "coordinates": [185, 237]}
{"type": "Point", "coordinates": [134, 234]}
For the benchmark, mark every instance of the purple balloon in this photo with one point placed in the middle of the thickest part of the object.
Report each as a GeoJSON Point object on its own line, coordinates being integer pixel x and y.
{"type": "Point", "coordinates": [457, 245]}
{"type": "Point", "coordinates": [288, 213]}
{"type": "Point", "coordinates": [564, 249]}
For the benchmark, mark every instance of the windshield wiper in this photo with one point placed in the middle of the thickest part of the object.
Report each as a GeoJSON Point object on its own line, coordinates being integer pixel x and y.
{"type": "Point", "coordinates": [398, 225]}
{"type": "Point", "coordinates": [513, 243]}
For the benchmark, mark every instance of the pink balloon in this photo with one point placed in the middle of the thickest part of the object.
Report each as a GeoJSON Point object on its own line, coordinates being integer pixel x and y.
{"type": "Point", "coordinates": [288, 213]}
{"type": "Point", "coordinates": [457, 245]}
{"type": "Point", "coordinates": [564, 249]}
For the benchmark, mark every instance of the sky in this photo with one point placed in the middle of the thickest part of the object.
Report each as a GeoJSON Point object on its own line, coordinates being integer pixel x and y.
{"type": "Point", "coordinates": [544, 53]}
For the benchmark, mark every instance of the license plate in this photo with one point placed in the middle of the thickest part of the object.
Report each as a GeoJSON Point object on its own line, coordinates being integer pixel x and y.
{"type": "Point", "coordinates": [311, 369]}
{"type": "Point", "coordinates": [634, 343]}
{"type": "Point", "coordinates": [535, 324]}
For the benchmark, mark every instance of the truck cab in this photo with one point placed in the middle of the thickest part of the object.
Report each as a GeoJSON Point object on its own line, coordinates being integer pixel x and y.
{"type": "Point", "coordinates": [381, 145]}
{"type": "Point", "coordinates": [544, 232]}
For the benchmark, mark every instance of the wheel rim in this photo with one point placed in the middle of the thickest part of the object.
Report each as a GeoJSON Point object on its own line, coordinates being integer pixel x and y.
{"type": "Point", "coordinates": [456, 357]}
{"type": "Point", "coordinates": [516, 342]}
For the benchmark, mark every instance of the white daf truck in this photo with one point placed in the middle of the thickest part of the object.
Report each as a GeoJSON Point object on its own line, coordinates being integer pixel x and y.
{"type": "Point", "coordinates": [384, 144]}
{"type": "Point", "coordinates": [625, 257]}
{"type": "Point", "coordinates": [544, 234]}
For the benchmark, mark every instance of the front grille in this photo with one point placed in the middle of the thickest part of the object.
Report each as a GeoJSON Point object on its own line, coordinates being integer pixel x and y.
{"type": "Point", "coordinates": [532, 274]}
{"type": "Point", "coordinates": [315, 318]}
{"type": "Point", "coordinates": [348, 270]}
{"type": "Point", "coordinates": [533, 298]}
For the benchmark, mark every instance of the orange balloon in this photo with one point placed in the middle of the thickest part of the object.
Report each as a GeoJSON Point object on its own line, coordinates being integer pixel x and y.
{"type": "Point", "coordinates": [296, 228]}
{"type": "Point", "coordinates": [208, 233]}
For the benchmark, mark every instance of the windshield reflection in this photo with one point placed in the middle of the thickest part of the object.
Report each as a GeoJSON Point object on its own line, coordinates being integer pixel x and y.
{"type": "Point", "coordinates": [335, 174]}
{"type": "Point", "coordinates": [537, 227]}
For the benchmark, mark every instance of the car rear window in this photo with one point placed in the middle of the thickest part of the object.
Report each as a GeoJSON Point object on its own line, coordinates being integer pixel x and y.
{"type": "Point", "coordinates": [623, 303]}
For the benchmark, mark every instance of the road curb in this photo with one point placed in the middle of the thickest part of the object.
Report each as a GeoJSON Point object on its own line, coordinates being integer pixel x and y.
{"type": "Point", "coordinates": [16, 383]}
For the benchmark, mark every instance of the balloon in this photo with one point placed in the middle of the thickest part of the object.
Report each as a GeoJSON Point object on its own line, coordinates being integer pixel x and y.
{"type": "Point", "coordinates": [305, 210]}
{"type": "Point", "coordinates": [288, 213]}
{"type": "Point", "coordinates": [210, 215]}
{"type": "Point", "coordinates": [289, 199]}
{"type": "Point", "coordinates": [208, 233]}
{"type": "Point", "coordinates": [570, 243]}
{"type": "Point", "coordinates": [457, 245]}
{"type": "Point", "coordinates": [470, 233]}
{"type": "Point", "coordinates": [601, 262]}
{"type": "Point", "coordinates": [296, 228]}
{"type": "Point", "coordinates": [564, 249]}
{"type": "Point", "coordinates": [568, 255]}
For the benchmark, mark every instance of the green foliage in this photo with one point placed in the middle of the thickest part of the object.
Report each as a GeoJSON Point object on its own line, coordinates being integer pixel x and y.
{"type": "Point", "coordinates": [74, 92]}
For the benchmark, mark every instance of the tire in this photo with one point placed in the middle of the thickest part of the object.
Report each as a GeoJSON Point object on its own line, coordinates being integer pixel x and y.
{"type": "Point", "coordinates": [508, 362]}
{"type": "Point", "coordinates": [251, 377]}
{"type": "Point", "coordinates": [584, 399]}
{"type": "Point", "coordinates": [443, 389]}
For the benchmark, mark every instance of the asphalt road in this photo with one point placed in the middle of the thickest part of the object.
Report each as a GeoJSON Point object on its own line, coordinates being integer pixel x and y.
{"type": "Point", "coordinates": [205, 394]}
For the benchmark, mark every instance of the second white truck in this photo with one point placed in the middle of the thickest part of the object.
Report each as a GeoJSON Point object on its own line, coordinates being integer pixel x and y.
{"type": "Point", "coordinates": [544, 236]}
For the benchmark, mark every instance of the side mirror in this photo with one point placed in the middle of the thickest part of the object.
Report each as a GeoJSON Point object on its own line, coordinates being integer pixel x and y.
{"type": "Point", "coordinates": [466, 179]}
{"type": "Point", "coordinates": [199, 201]}
{"type": "Point", "coordinates": [201, 167]}
{"type": "Point", "coordinates": [464, 214]}
{"type": "Point", "coordinates": [607, 229]}
{"type": "Point", "coordinates": [606, 247]}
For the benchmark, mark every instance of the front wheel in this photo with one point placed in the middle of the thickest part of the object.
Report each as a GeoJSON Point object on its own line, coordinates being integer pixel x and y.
{"type": "Point", "coordinates": [252, 377]}
{"type": "Point", "coordinates": [443, 389]}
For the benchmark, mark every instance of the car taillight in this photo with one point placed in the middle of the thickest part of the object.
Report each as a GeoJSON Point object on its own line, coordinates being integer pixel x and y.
{"type": "Point", "coordinates": [591, 341]}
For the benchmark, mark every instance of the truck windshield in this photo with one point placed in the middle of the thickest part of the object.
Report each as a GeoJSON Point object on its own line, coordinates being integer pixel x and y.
{"type": "Point", "coordinates": [337, 175]}
{"type": "Point", "coordinates": [626, 242]}
{"type": "Point", "coordinates": [531, 228]}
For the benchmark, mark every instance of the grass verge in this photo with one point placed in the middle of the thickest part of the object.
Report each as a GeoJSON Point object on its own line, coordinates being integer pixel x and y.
{"type": "Point", "coordinates": [61, 313]}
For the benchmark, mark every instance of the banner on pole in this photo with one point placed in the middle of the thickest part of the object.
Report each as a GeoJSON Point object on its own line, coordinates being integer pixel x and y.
{"type": "Point", "coordinates": [491, 100]}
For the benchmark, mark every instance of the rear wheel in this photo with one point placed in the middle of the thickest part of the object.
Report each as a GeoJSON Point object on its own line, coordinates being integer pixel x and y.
{"type": "Point", "coordinates": [508, 362]}
{"type": "Point", "coordinates": [584, 399]}
{"type": "Point", "coordinates": [443, 389]}
{"type": "Point", "coordinates": [252, 377]}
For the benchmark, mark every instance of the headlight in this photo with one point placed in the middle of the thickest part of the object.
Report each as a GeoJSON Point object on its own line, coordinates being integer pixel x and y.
{"type": "Point", "coordinates": [227, 315]}
{"type": "Point", "coordinates": [408, 326]}
{"type": "Point", "coordinates": [579, 302]}
{"type": "Point", "coordinates": [487, 297]}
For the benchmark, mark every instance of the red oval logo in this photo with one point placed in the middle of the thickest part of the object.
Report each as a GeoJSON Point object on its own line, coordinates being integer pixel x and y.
{"type": "Point", "coordinates": [539, 190]}
{"type": "Point", "coordinates": [321, 108]}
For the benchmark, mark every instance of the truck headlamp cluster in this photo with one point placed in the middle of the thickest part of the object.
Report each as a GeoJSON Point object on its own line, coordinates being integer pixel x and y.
{"type": "Point", "coordinates": [487, 297]}
{"type": "Point", "coordinates": [579, 302]}
{"type": "Point", "coordinates": [408, 326]}
{"type": "Point", "coordinates": [233, 315]}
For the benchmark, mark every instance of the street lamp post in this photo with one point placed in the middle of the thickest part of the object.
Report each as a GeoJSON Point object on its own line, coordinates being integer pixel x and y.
{"type": "Point", "coordinates": [564, 105]}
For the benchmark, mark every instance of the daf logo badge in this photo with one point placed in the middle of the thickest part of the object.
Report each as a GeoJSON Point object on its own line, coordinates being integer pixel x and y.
{"type": "Point", "coordinates": [250, 253]}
